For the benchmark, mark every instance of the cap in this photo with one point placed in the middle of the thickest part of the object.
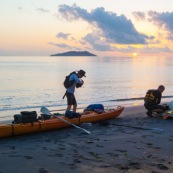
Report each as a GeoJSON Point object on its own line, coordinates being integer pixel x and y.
{"type": "Point", "coordinates": [82, 72]}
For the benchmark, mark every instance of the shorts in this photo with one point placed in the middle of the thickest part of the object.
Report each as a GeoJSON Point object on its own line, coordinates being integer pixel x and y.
{"type": "Point", "coordinates": [153, 107]}
{"type": "Point", "coordinates": [71, 100]}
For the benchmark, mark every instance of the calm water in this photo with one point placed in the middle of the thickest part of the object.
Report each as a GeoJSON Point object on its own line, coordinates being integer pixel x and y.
{"type": "Point", "coordinates": [27, 83]}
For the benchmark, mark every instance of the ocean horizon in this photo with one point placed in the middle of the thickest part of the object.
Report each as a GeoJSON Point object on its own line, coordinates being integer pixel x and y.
{"type": "Point", "coordinates": [30, 82]}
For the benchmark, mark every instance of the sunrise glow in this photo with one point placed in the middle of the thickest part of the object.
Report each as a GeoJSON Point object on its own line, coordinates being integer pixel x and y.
{"type": "Point", "coordinates": [43, 28]}
{"type": "Point", "coordinates": [134, 54]}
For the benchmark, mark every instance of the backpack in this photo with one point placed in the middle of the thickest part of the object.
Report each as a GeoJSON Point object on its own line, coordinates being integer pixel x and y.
{"type": "Point", "coordinates": [152, 96]}
{"type": "Point", "coordinates": [99, 108]}
{"type": "Point", "coordinates": [68, 83]}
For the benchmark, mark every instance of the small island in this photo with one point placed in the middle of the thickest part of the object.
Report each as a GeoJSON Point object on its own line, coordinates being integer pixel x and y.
{"type": "Point", "coordinates": [74, 53]}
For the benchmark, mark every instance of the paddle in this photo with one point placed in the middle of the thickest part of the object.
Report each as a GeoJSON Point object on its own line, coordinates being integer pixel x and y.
{"type": "Point", "coordinates": [44, 110]}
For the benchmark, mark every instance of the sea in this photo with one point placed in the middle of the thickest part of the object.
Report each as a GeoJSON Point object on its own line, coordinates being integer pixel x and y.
{"type": "Point", "coordinates": [28, 83]}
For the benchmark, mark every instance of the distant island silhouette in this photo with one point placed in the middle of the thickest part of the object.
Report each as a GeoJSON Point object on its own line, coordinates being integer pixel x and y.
{"type": "Point", "coordinates": [74, 53]}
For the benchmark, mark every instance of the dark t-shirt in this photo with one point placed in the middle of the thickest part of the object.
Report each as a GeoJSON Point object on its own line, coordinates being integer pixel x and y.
{"type": "Point", "coordinates": [152, 97]}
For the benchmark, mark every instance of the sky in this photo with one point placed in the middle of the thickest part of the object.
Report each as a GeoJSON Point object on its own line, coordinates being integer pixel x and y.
{"type": "Point", "coordinates": [103, 27]}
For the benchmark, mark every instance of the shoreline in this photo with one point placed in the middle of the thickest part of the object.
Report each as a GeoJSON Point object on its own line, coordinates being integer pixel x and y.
{"type": "Point", "coordinates": [8, 119]}
{"type": "Point", "coordinates": [111, 147]}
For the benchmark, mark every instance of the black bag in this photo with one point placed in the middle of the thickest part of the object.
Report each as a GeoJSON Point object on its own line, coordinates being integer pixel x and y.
{"type": "Point", "coordinates": [68, 83]}
{"type": "Point", "coordinates": [17, 119]}
{"type": "Point", "coordinates": [25, 117]}
{"type": "Point", "coordinates": [29, 116]}
{"type": "Point", "coordinates": [71, 114]}
{"type": "Point", "coordinates": [45, 117]}
{"type": "Point", "coordinates": [95, 107]}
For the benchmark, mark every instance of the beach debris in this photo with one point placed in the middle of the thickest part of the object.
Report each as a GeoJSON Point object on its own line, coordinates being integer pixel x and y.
{"type": "Point", "coordinates": [162, 167]}
{"type": "Point", "coordinates": [42, 170]}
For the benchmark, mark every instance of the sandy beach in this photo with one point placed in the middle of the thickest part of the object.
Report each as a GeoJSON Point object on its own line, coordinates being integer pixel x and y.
{"type": "Point", "coordinates": [126, 144]}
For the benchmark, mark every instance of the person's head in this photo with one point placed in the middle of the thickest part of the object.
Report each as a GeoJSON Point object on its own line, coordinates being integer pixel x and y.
{"type": "Point", "coordinates": [161, 88]}
{"type": "Point", "coordinates": [81, 73]}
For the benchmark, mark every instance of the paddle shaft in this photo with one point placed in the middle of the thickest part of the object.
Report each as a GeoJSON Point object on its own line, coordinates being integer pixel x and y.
{"type": "Point", "coordinates": [44, 110]}
{"type": "Point", "coordinates": [72, 124]}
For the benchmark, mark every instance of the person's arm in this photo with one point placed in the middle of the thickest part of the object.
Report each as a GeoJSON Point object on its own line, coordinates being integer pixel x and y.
{"type": "Point", "coordinates": [159, 98]}
{"type": "Point", "coordinates": [77, 80]}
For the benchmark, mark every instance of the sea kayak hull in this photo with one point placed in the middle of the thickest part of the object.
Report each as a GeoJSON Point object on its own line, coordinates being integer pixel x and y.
{"type": "Point", "coordinates": [7, 130]}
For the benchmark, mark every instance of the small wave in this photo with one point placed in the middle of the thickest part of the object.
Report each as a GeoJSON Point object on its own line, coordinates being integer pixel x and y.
{"type": "Point", "coordinates": [5, 109]}
{"type": "Point", "coordinates": [28, 107]}
{"type": "Point", "coordinates": [131, 99]}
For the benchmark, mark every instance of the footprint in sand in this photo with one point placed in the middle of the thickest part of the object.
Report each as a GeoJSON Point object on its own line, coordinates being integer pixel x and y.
{"type": "Point", "coordinates": [100, 146]}
{"type": "Point", "coordinates": [28, 157]}
{"type": "Point", "coordinates": [122, 151]}
{"type": "Point", "coordinates": [134, 165]}
{"type": "Point", "coordinates": [145, 136]}
{"type": "Point", "coordinates": [43, 170]}
{"type": "Point", "coordinates": [131, 142]}
{"type": "Point", "coordinates": [62, 148]}
{"type": "Point", "coordinates": [59, 155]}
{"type": "Point", "coordinates": [13, 147]}
{"type": "Point", "coordinates": [121, 167]}
{"type": "Point", "coordinates": [105, 166]}
{"type": "Point", "coordinates": [14, 156]}
{"type": "Point", "coordinates": [44, 148]}
{"type": "Point", "coordinates": [162, 167]}
{"type": "Point", "coordinates": [76, 161]}
{"type": "Point", "coordinates": [113, 154]}
{"type": "Point", "coordinates": [89, 142]}
{"type": "Point", "coordinates": [47, 140]}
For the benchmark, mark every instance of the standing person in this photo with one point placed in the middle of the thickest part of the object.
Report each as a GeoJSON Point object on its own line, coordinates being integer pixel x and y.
{"type": "Point", "coordinates": [74, 81]}
{"type": "Point", "coordinates": [152, 100]}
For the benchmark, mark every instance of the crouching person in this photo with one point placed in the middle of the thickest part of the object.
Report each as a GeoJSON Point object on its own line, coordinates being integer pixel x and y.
{"type": "Point", "coordinates": [152, 101]}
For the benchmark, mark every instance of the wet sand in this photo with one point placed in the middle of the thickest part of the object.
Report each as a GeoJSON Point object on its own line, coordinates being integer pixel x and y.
{"type": "Point", "coordinates": [121, 145]}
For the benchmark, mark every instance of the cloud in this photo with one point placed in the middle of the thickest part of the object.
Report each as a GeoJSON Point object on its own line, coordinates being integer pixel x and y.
{"type": "Point", "coordinates": [61, 45]}
{"type": "Point", "coordinates": [96, 42]}
{"type": "Point", "coordinates": [19, 8]}
{"type": "Point", "coordinates": [156, 50]}
{"type": "Point", "coordinates": [163, 20]}
{"type": "Point", "coordinates": [62, 35]}
{"type": "Point", "coordinates": [65, 46]}
{"type": "Point", "coordinates": [115, 29]}
{"type": "Point", "coordinates": [170, 37]}
{"type": "Point", "coordinates": [140, 16]}
{"type": "Point", "coordinates": [43, 10]}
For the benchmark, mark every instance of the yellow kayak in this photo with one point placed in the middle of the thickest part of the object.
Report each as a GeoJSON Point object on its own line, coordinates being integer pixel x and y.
{"type": "Point", "coordinates": [7, 130]}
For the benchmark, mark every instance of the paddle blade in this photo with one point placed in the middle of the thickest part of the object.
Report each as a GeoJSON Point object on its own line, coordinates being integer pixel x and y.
{"type": "Point", "coordinates": [44, 110]}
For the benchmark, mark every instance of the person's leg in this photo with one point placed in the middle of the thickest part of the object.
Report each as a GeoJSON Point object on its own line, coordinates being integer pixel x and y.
{"type": "Point", "coordinates": [74, 108]}
{"type": "Point", "coordinates": [69, 101]}
{"type": "Point", "coordinates": [74, 103]}
{"type": "Point", "coordinates": [154, 109]}
{"type": "Point", "coordinates": [149, 112]}
{"type": "Point", "coordinates": [158, 109]}
{"type": "Point", "coordinates": [68, 108]}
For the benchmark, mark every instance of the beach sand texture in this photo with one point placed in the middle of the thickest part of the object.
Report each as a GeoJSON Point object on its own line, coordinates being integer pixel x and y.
{"type": "Point", "coordinates": [111, 147]}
